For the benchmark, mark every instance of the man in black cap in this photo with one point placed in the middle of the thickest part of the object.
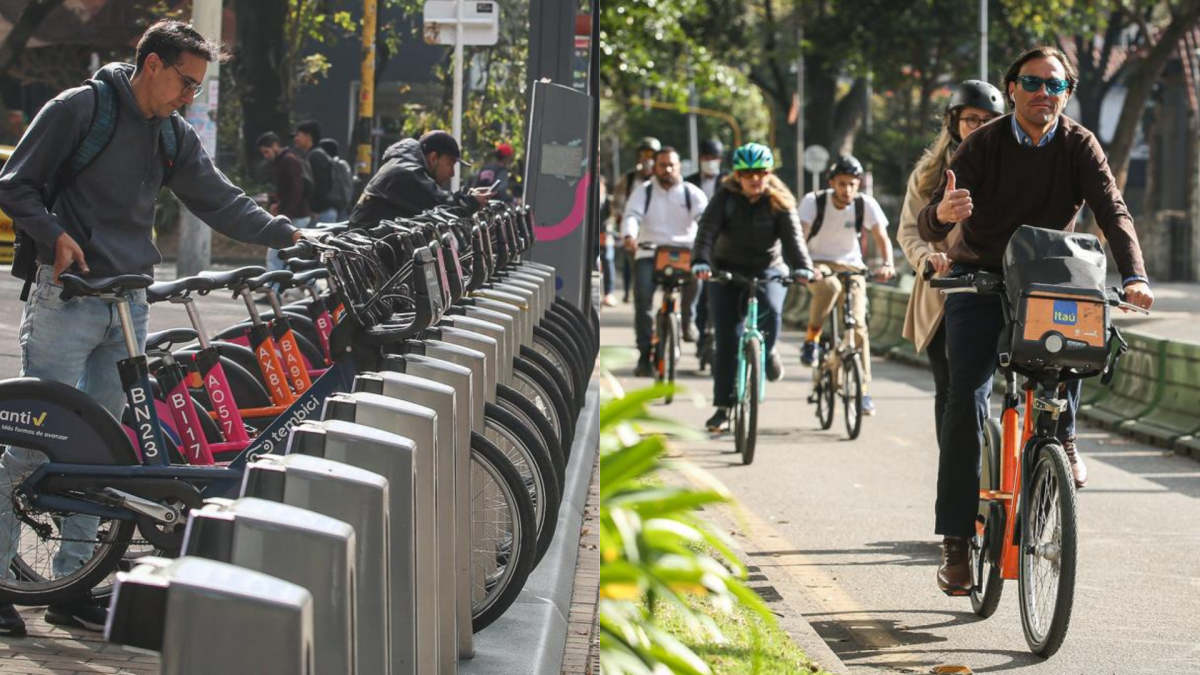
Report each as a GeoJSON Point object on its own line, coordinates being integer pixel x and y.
{"type": "Point", "coordinates": [413, 179]}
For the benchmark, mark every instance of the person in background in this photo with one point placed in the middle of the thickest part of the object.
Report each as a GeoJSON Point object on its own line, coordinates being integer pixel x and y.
{"type": "Point", "coordinates": [321, 201]}
{"type": "Point", "coordinates": [342, 178]}
{"type": "Point", "coordinates": [15, 123]}
{"type": "Point", "coordinates": [709, 179]}
{"type": "Point", "coordinates": [638, 175]}
{"type": "Point", "coordinates": [496, 173]}
{"type": "Point", "coordinates": [289, 198]}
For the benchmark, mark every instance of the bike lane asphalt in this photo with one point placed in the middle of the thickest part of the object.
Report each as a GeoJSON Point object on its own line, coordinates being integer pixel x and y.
{"type": "Point", "coordinates": [842, 532]}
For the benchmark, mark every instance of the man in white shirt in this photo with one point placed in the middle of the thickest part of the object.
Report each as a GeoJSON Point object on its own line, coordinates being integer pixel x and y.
{"type": "Point", "coordinates": [661, 212]}
{"type": "Point", "coordinates": [833, 221]}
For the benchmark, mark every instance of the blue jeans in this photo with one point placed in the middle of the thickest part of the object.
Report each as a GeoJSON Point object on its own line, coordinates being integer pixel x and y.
{"type": "Point", "coordinates": [273, 261]}
{"type": "Point", "coordinates": [973, 325]}
{"type": "Point", "coordinates": [329, 215]}
{"type": "Point", "coordinates": [77, 342]}
{"type": "Point", "coordinates": [608, 266]}
{"type": "Point", "coordinates": [643, 298]}
{"type": "Point", "coordinates": [726, 310]}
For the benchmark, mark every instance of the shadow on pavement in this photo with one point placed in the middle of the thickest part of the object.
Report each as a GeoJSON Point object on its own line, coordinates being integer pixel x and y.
{"type": "Point", "coordinates": [919, 553]}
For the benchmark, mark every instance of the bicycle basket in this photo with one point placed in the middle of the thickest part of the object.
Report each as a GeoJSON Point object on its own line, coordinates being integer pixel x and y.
{"type": "Point", "coordinates": [1055, 285]}
{"type": "Point", "coordinates": [672, 264]}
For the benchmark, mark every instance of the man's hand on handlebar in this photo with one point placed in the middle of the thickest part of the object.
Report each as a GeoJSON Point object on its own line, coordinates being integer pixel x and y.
{"type": "Point", "coordinates": [701, 271]}
{"type": "Point", "coordinates": [804, 276]}
{"type": "Point", "coordinates": [630, 244]}
{"type": "Point", "coordinates": [1139, 294]}
{"type": "Point", "coordinates": [885, 272]}
{"type": "Point", "coordinates": [940, 263]}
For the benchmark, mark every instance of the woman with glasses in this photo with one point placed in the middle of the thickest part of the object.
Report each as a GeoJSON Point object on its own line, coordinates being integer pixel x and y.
{"type": "Point", "coordinates": [750, 228]}
{"type": "Point", "coordinates": [973, 104]}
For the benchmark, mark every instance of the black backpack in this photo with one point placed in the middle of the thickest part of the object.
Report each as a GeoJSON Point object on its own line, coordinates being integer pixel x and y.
{"type": "Point", "coordinates": [823, 196]}
{"type": "Point", "coordinates": [100, 132]}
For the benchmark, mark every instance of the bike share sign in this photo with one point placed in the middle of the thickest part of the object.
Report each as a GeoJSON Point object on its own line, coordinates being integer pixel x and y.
{"type": "Point", "coordinates": [480, 22]}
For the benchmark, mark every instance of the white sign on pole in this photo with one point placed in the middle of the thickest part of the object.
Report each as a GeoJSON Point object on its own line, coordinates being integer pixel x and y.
{"type": "Point", "coordinates": [480, 22]}
{"type": "Point", "coordinates": [816, 158]}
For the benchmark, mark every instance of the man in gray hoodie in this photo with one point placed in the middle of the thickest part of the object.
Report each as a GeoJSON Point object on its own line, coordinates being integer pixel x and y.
{"type": "Point", "coordinates": [100, 223]}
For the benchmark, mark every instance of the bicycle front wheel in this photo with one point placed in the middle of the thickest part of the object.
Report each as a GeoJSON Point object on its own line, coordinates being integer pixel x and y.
{"type": "Point", "coordinates": [852, 395]}
{"type": "Point", "coordinates": [825, 393]}
{"type": "Point", "coordinates": [746, 418]}
{"type": "Point", "coordinates": [1048, 551]}
{"type": "Point", "coordinates": [672, 353]}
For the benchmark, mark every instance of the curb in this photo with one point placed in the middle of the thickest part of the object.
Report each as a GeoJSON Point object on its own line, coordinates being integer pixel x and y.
{"type": "Point", "coordinates": [532, 635]}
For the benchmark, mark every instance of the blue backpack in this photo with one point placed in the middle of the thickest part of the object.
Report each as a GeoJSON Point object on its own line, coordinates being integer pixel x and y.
{"type": "Point", "coordinates": [100, 132]}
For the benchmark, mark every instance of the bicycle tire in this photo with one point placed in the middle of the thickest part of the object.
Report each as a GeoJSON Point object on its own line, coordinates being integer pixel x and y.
{"type": "Point", "coordinates": [673, 350]}
{"type": "Point", "coordinates": [536, 374]}
{"type": "Point", "coordinates": [1050, 489]}
{"type": "Point", "coordinates": [524, 409]}
{"type": "Point", "coordinates": [551, 347]}
{"type": "Point", "coordinates": [579, 338]}
{"type": "Point", "coordinates": [590, 327]}
{"type": "Point", "coordinates": [532, 460]}
{"type": "Point", "coordinates": [577, 350]}
{"type": "Point", "coordinates": [581, 327]}
{"type": "Point", "coordinates": [35, 583]}
{"type": "Point", "coordinates": [852, 395]}
{"type": "Point", "coordinates": [987, 586]}
{"type": "Point", "coordinates": [495, 484]}
{"type": "Point", "coordinates": [826, 393]}
{"type": "Point", "coordinates": [574, 357]}
{"type": "Point", "coordinates": [747, 409]}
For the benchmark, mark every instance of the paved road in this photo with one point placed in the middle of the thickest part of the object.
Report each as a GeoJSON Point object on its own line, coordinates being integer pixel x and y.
{"type": "Point", "coordinates": [848, 526]}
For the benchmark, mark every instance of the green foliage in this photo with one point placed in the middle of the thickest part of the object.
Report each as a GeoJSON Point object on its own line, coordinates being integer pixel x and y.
{"type": "Point", "coordinates": [654, 548]}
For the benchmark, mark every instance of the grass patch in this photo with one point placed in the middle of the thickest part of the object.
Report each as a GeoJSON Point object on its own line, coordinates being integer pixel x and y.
{"type": "Point", "coordinates": [752, 647]}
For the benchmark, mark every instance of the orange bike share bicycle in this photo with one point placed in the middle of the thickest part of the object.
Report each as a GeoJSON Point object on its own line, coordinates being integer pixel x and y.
{"type": "Point", "coordinates": [1057, 330]}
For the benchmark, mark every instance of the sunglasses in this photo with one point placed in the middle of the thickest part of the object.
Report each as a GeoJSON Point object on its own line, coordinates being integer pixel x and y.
{"type": "Point", "coordinates": [752, 173]}
{"type": "Point", "coordinates": [973, 121]}
{"type": "Point", "coordinates": [1054, 85]}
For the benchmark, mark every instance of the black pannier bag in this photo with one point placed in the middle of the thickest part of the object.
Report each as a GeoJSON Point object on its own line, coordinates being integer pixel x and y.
{"type": "Point", "coordinates": [1055, 286]}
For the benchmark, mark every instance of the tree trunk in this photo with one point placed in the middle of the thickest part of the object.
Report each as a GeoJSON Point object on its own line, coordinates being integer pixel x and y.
{"type": "Point", "coordinates": [261, 53]}
{"type": "Point", "coordinates": [31, 17]}
{"type": "Point", "coordinates": [1140, 82]}
{"type": "Point", "coordinates": [848, 117]}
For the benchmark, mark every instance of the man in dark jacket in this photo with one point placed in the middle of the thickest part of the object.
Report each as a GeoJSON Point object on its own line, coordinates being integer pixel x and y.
{"type": "Point", "coordinates": [321, 202]}
{"type": "Point", "coordinates": [289, 198]}
{"type": "Point", "coordinates": [411, 179]}
{"type": "Point", "coordinates": [102, 222]}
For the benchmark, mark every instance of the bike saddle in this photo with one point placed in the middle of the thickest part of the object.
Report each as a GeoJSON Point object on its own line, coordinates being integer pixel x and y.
{"type": "Point", "coordinates": [165, 290]}
{"type": "Point", "coordinates": [165, 339]}
{"type": "Point", "coordinates": [281, 277]}
{"type": "Point", "coordinates": [310, 276]}
{"type": "Point", "coordinates": [74, 285]}
{"type": "Point", "coordinates": [233, 277]}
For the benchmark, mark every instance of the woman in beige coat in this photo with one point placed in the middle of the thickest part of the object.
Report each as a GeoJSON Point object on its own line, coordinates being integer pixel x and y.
{"type": "Point", "coordinates": [974, 103]}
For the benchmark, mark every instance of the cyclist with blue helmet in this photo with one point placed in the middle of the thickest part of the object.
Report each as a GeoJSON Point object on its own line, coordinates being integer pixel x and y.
{"type": "Point", "coordinates": [834, 220]}
{"type": "Point", "coordinates": [750, 227]}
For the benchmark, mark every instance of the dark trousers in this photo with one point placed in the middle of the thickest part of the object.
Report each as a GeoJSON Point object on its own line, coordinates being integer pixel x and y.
{"type": "Point", "coordinates": [940, 366]}
{"type": "Point", "coordinates": [702, 314]}
{"type": "Point", "coordinates": [973, 324]}
{"type": "Point", "coordinates": [644, 309]}
{"type": "Point", "coordinates": [726, 309]}
{"type": "Point", "coordinates": [625, 264]}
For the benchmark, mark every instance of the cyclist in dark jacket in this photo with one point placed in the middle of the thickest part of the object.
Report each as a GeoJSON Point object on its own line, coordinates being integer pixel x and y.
{"type": "Point", "coordinates": [411, 179]}
{"type": "Point", "coordinates": [750, 227]}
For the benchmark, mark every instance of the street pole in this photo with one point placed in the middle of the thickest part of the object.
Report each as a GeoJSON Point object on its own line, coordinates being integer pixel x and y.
{"type": "Point", "coordinates": [458, 86]}
{"type": "Point", "coordinates": [693, 133]}
{"type": "Point", "coordinates": [195, 239]}
{"type": "Point", "coordinates": [363, 160]}
{"type": "Point", "coordinates": [800, 106]}
{"type": "Point", "coordinates": [983, 41]}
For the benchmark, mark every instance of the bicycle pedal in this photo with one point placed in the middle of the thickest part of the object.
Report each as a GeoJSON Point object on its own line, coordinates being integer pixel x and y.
{"type": "Point", "coordinates": [957, 592]}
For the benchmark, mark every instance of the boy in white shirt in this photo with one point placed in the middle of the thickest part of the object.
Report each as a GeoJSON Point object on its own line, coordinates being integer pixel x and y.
{"type": "Point", "coordinates": [833, 220]}
{"type": "Point", "coordinates": [661, 212]}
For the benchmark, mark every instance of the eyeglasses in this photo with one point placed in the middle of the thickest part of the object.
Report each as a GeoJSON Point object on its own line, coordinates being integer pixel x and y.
{"type": "Point", "coordinates": [1054, 85]}
{"type": "Point", "coordinates": [973, 121]}
{"type": "Point", "coordinates": [752, 173]}
{"type": "Point", "coordinates": [189, 85]}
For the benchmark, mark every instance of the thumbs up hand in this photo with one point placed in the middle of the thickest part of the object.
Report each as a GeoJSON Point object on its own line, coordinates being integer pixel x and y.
{"type": "Point", "coordinates": [956, 204]}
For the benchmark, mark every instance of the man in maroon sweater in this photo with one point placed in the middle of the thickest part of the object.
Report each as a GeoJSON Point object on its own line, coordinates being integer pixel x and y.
{"type": "Point", "coordinates": [1033, 167]}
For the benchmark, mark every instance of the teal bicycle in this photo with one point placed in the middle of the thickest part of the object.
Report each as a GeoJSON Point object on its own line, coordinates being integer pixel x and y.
{"type": "Point", "coordinates": [751, 364]}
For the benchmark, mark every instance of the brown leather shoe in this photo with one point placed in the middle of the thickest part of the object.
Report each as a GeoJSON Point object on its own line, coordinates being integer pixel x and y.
{"type": "Point", "coordinates": [1078, 468]}
{"type": "Point", "coordinates": [954, 576]}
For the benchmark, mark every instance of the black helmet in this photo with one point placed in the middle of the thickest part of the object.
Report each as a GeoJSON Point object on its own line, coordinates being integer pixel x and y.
{"type": "Point", "coordinates": [846, 164]}
{"type": "Point", "coordinates": [976, 94]}
{"type": "Point", "coordinates": [713, 148]}
{"type": "Point", "coordinates": [649, 143]}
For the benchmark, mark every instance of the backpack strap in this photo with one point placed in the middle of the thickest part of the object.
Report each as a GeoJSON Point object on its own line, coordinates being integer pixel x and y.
{"type": "Point", "coordinates": [170, 145]}
{"type": "Point", "coordinates": [860, 207]}
{"type": "Point", "coordinates": [822, 196]}
{"type": "Point", "coordinates": [649, 191]}
{"type": "Point", "coordinates": [99, 134]}
{"type": "Point", "coordinates": [687, 199]}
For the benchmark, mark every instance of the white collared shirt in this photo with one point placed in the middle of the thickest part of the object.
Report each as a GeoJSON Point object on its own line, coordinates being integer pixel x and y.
{"type": "Point", "coordinates": [668, 222]}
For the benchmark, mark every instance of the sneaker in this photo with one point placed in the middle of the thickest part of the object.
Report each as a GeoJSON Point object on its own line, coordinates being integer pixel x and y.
{"type": "Point", "coordinates": [719, 421]}
{"type": "Point", "coordinates": [810, 353]}
{"type": "Point", "coordinates": [868, 405]}
{"type": "Point", "coordinates": [610, 300]}
{"type": "Point", "coordinates": [643, 369]}
{"type": "Point", "coordinates": [690, 332]}
{"type": "Point", "coordinates": [774, 366]}
{"type": "Point", "coordinates": [11, 623]}
{"type": "Point", "coordinates": [82, 612]}
{"type": "Point", "coordinates": [1078, 469]}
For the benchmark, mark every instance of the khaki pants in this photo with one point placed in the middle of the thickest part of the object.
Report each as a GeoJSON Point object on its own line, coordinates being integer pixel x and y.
{"type": "Point", "coordinates": [828, 291]}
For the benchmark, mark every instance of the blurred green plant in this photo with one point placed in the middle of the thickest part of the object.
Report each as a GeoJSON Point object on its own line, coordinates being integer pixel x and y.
{"type": "Point", "coordinates": [655, 548]}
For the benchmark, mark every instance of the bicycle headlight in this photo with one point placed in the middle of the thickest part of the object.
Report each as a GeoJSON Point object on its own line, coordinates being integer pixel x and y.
{"type": "Point", "coordinates": [1054, 343]}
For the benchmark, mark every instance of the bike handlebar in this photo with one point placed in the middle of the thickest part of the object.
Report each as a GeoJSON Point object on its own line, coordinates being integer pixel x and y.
{"type": "Point", "coordinates": [733, 277]}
